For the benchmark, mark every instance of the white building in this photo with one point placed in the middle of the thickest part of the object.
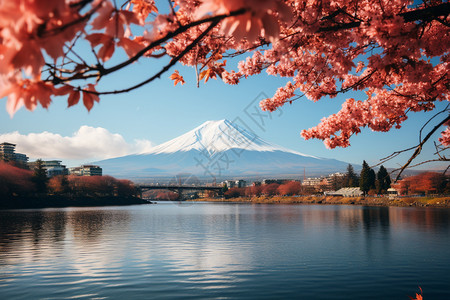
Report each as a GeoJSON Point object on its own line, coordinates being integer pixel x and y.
{"type": "Point", "coordinates": [240, 183]}
{"type": "Point", "coordinates": [8, 154]}
{"type": "Point", "coordinates": [346, 192]}
{"type": "Point", "coordinates": [86, 170]}
{"type": "Point", "coordinates": [52, 167]}
{"type": "Point", "coordinates": [235, 183]}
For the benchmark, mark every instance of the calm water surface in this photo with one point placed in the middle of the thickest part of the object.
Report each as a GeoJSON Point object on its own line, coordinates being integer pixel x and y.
{"type": "Point", "coordinates": [227, 251]}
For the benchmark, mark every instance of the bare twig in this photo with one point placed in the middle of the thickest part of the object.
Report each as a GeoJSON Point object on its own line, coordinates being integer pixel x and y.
{"type": "Point", "coordinates": [419, 147]}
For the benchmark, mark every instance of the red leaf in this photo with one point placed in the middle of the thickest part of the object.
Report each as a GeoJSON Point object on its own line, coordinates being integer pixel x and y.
{"type": "Point", "coordinates": [176, 77]}
{"type": "Point", "coordinates": [73, 99]}
{"type": "Point", "coordinates": [88, 101]}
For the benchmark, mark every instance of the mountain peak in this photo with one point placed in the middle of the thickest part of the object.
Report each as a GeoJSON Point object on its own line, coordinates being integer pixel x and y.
{"type": "Point", "coordinates": [217, 136]}
{"type": "Point", "coordinates": [221, 149]}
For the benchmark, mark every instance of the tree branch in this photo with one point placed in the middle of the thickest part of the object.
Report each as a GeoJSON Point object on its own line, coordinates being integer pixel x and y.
{"type": "Point", "coordinates": [172, 62]}
{"type": "Point", "coordinates": [179, 30]}
{"type": "Point", "coordinates": [419, 147]}
{"type": "Point", "coordinates": [105, 71]}
{"type": "Point", "coordinates": [424, 14]}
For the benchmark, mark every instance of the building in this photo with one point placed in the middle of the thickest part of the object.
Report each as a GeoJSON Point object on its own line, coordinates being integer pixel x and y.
{"type": "Point", "coordinates": [318, 183]}
{"type": "Point", "coordinates": [21, 158]}
{"type": "Point", "coordinates": [52, 167]}
{"type": "Point", "coordinates": [314, 182]}
{"type": "Point", "coordinates": [277, 181]}
{"type": "Point", "coordinates": [235, 183]}
{"type": "Point", "coordinates": [240, 183]}
{"type": "Point", "coordinates": [392, 192]}
{"type": "Point", "coordinates": [229, 183]}
{"type": "Point", "coordinates": [86, 170]}
{"type": "Point", "coordinates": [346, 192]}
{"type": "Point", "coordinates": [8, 154]}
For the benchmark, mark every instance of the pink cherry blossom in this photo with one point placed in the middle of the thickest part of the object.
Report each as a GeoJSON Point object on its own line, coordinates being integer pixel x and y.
{"type": "Point", "coordinates": [396, 51]}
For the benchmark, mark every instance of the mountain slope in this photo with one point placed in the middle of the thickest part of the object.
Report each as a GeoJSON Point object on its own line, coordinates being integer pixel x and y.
{"type": "Point", "coordinates": [219, 149]}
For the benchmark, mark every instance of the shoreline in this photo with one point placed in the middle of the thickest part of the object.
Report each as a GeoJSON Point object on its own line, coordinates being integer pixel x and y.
{"type": "Point", "coordinates": [438, 202]}
{"type": "Point", "coordinates": [57, 201]}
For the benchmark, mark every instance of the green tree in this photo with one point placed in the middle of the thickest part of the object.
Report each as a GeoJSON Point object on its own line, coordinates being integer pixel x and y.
{"type": "Point", "coordinates": [367, 178]}
{"type": "Point", "coordinates": [350, 178]}
{"type": "Point", "coordinates": [383, 180]}
{"type": "Point", "coordinates": [372, 179]}
{"type": "Point", "coordinates": [40, 178]}
{"type": "Point", "coordinates": [224, 188]}
{"type": "Point", "coordinates": [337, 182]}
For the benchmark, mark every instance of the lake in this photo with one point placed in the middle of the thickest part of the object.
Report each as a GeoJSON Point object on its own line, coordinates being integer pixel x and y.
{"type": "Point", "coordinates": [225, 250]}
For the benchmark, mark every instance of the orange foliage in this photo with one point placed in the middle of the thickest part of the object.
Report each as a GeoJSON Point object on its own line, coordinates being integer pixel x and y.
{"type": "Point", "coordinates": [270, 189]}
{"type": "Point", "coordinates": [14, 181]}
{"type": "Point", "coordinates": [290, 188]}
{"type": "Point", "coordinates": [56, 184]}
{"type": "Point", "coordinates": [125, 187]}
{"type": "Point", "coordinates": [101, 186]}
{"type": "Point", "coordinates": [418, 296]}
{"type": "Point", "coordinates": [254, 191]}
{"type": "Point", "coordinates": [176, 77]}
{"type": "Point", "coordinates": [234, 192]}
{"type": "Point", "coordinates": [424, 183]}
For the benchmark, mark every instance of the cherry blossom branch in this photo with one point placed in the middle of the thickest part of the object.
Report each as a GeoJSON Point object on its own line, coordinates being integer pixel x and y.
{"type": "Point", "coordinates": [166, 68]}
{"type": "Point", "coordinates": [424, 14]}
{"type": "Point", "coordinates": [101, 71]}
{"type": "Point", "coordinates": [421, 142]}
{"type": "Point", "coordinates": [179, 30]}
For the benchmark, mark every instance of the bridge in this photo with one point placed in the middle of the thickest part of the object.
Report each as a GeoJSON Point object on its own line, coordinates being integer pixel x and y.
{"type": "Point", "coordinates": [180, 188]}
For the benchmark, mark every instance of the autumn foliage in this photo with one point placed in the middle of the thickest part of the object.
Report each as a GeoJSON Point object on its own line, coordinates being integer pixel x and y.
{"type": "Point", "coordinates": [419, 296]}
{"type": "Point", "coordinates": [396, 51]}
{"type": "Point", "coordinates": [424, 183]}
{"type": "Point", "coordinates": [15, 181]}
{"type": "Point", "coordinates": [92, 186]}
{"type": "Point", "coordinates": [235, 192]}
{"type": "Point", "coordinates": [19, 182]}
{"type": "Point", "coordinates": [289, 188]}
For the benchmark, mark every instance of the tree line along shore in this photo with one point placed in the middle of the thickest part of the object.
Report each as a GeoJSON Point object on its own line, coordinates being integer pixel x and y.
{"type": "Point", "coordinates": [426, 201]}
{"type": "Point", "coordinates": [22, 188]}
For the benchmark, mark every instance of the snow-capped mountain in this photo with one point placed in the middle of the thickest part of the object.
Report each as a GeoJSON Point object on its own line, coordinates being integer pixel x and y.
{"type": "Point", "coordinates": [219, 149]}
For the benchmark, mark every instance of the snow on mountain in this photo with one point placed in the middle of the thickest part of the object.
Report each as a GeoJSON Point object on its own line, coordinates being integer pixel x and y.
{"type": "Point", "coordinates": [219, 149]}
{"type": "Point", "coordinates": [218, 136]}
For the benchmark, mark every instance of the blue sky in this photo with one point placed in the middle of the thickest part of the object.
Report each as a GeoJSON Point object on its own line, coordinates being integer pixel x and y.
{"type": "Point", "coordinates": [159, 111]}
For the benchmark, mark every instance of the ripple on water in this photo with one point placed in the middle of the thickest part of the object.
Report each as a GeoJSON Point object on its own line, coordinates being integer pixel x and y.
{"type": "Point", "coordinates": [214, 251]}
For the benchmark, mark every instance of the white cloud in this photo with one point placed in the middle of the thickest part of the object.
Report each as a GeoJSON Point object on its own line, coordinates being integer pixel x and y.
{"type": "Point", "coordinates": [86, 144]}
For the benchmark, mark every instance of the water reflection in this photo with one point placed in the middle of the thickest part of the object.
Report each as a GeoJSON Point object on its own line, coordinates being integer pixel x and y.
{"type": "Point", "coordinates": [428, 219]}
{"type": "Point", "coordinates": [214, 250]}
{"type": "Point", "coordinates": [36, 229]}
